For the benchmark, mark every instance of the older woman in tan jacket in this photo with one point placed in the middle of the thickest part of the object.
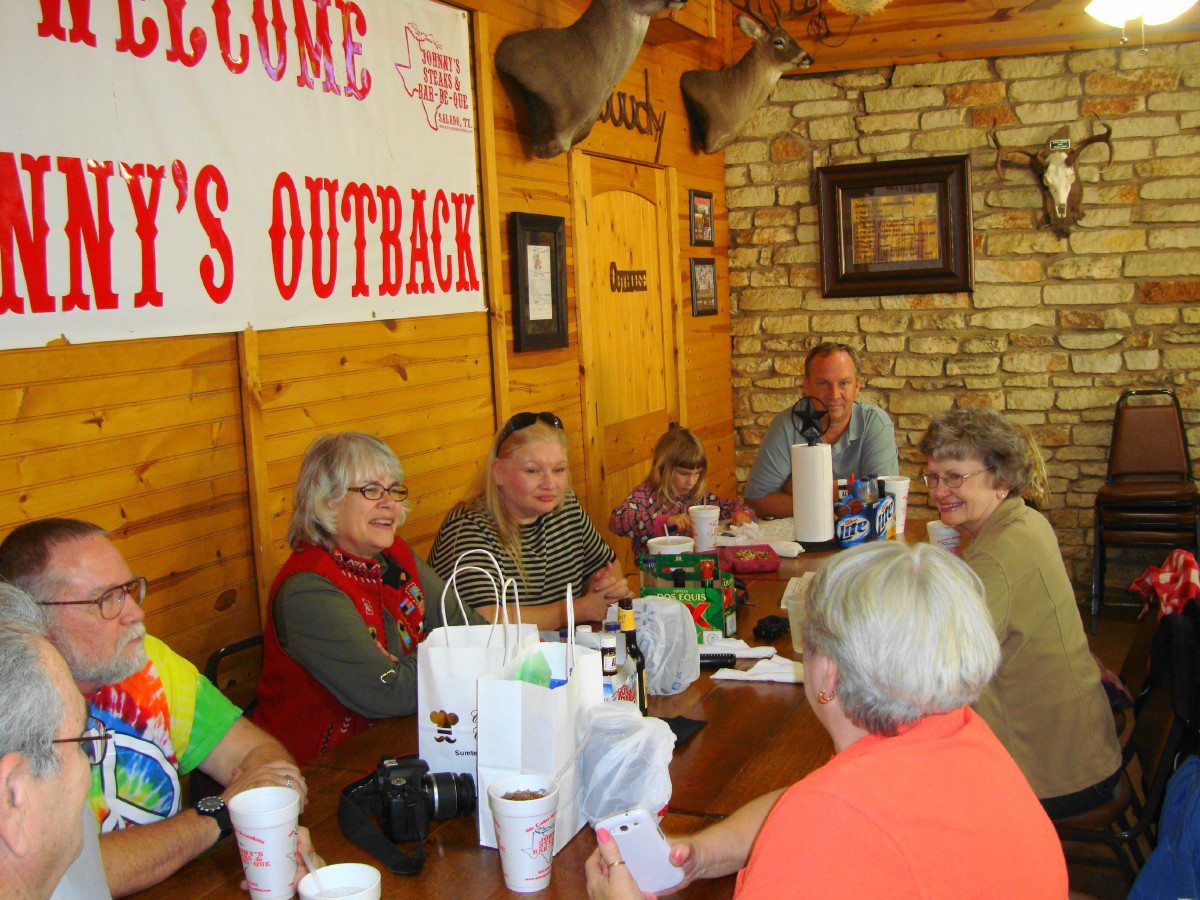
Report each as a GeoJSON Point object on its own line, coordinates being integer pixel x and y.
{"type": "Point", "coordinates": [1046, 703]}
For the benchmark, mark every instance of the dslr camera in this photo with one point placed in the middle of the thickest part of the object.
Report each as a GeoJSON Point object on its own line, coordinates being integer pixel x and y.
{"type": "Point", "coordinates": [411, 797]}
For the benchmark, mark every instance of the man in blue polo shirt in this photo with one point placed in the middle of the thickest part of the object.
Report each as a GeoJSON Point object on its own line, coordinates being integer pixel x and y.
{"type": "Point", "coordinates": [862, 435]}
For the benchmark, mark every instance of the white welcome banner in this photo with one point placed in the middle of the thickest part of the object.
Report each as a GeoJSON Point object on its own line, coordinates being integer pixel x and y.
{"type": "Point", "coordinates": [171, 167]}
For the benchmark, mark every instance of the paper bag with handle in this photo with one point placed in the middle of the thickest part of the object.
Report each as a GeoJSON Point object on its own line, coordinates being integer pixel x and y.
{"type": "Point", "coordinates": [452, 659]}
{"type": "Point", "coordinates": [527, 728]}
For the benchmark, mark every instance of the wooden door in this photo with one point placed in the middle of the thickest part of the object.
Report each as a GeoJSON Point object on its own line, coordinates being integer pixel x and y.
{"type": "Point", "coordinates": [628, 307]}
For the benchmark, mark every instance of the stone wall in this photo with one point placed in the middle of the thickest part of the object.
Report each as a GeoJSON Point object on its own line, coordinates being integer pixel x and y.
{"type": "Point", "coordinates": [1056, 327]}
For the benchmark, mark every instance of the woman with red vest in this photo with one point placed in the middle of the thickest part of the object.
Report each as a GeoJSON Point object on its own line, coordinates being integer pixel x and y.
{"type": "Point", "coordinates": [347, 609]}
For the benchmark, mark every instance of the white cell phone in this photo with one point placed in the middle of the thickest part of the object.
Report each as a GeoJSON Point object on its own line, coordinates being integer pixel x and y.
{"type": "Point", "coordinates": [644, 848]}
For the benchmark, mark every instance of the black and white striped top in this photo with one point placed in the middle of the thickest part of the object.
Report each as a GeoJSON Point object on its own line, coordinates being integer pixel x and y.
{"type": "Point", "coordinates": [559, 549]}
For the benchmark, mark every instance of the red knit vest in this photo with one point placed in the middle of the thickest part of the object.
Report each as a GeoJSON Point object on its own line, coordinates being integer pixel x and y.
{"type": "Point", "coordinates": [295, 707]}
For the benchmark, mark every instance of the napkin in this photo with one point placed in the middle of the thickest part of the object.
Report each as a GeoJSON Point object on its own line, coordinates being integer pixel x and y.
{"type": "Point", "coordinates": [786, 549]}
{"type": "Point", "coordinates": [777, 669]}
{"type": "Point", "coordinates": [738, 648]}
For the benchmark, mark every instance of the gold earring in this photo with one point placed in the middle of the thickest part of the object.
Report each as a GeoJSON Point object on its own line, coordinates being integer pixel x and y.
{"type": "Point", "coordinates": [822, 699]}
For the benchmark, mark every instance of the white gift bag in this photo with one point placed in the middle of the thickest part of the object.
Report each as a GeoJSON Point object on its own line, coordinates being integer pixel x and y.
{"type": "Point", "coordinates": [528, 729]}
{"type": "Point", "coordinates": [449, 662]}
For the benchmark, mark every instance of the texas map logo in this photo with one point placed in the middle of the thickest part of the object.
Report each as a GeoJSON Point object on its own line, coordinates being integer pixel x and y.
{"type": "Point", "coordinates": [436, 79]}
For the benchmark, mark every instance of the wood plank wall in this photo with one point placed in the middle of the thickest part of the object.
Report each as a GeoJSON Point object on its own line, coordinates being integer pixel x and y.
{"type": "Point", "coordinates": [188, 448]}
{"type": "Point", "coordinates": [143, 438]}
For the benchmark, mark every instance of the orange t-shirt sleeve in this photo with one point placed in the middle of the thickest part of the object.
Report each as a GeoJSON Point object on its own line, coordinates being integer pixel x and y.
{"type": "Point", "coordinates": [815, 845]}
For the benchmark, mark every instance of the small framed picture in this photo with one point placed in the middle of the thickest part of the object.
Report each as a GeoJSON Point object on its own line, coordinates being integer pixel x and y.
{"type": "Point", "coordinates": [538, 245]}
{"type": "Point", "coordinates": [704, 287]}
{"type": "Point", "coordinates": [700, 205]}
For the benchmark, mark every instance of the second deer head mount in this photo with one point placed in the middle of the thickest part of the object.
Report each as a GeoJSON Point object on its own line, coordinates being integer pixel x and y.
{"type": "Point", "coordinates": [720, 102]}
{"type": "Point", "coordinates": [567, 74]}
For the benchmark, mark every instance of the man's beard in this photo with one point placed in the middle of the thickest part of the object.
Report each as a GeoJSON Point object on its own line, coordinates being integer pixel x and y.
{"type": "Point", "coordinates": [120, 666]}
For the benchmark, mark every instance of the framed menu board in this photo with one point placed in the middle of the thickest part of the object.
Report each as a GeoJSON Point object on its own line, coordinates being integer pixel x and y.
{"type": "Point", "coordinates": [896, 227]}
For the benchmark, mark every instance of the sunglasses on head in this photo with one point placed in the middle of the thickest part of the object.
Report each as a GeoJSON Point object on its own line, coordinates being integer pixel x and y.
{"type": "Point", "coordinates": [524, 420]}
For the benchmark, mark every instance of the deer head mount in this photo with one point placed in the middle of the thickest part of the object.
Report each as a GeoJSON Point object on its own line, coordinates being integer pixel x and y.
{"type": "Point", "coordinates": [1063, 202]}
{"type": "Point", "coordinates": [720, 102]}
{"type": "Point", "coordinates": [567, 74]}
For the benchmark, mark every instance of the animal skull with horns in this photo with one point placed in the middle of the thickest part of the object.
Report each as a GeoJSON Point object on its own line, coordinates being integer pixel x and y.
{"type": "Point", "coordinates": [1060, 179]}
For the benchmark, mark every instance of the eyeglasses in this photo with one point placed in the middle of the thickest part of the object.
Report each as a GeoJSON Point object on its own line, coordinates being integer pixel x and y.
{"type": "Point", "coordinates": [952, 480]}
{"type": "Point", "coordinates": [92, 741]}
{"type": "Point", "coordinates": [375, 491]}
{"type": "Point", "coordinates": [112, 600]}
{"type": "Point", "coordinates": [524, 420]}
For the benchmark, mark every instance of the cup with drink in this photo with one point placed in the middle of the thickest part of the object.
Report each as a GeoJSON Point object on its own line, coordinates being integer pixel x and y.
{"type": "Point", "coordinates": [523, 809]}
{"type": "Point", "coordinates": [264, 820]}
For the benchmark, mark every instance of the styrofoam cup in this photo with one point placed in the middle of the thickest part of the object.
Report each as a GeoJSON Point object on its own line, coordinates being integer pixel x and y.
{"type": "Point", "coordinates": [673, 543]}
{"type": "Point", "coordinates": [945, 537]}
{"type": "Point", "coordinates": [347, 881]}
{"type": "Point", "coordinates": [897, 486]}
{"type": "Point", "coordinates": [704, 526]}
{"type": "Point", "coordinates": [524, 831]}
{"type": "Point", "coordinates": [264, 820]}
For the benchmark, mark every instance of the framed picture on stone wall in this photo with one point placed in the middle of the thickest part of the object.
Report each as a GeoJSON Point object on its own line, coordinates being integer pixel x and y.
{"type": "Point", "coordinates": [901, 227]}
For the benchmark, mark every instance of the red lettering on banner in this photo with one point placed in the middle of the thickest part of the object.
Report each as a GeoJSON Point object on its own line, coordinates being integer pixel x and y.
{"type": "Point", "coordinates": [147, 229]}
{"type": "Point", "coordinates": [426, 238]}
{"type": "Point", "coordinates": [128, 42]}
{"type": "Point", "coordinates": [467, 279]}
{"type": "Point", "coordinates": [51, 24]}
{"type": "Point", "coordinates": [285, 185]}
{"type": "Point", "coordinates": [418, 247]}
{"type": "Point", "coordinates": [274, 69]}
{"type": "Point", "coordinates": [217, 238]}
{"type": "Point", "coordinates": [356, 89]}
{"type": "Point", "coordinates": [88, 233]}
{"type": "Point", "coordinates": [30, 237]}
{"type": "Point", "coordinates": [441, 213]}
{"type": "Point", "coordinates": [139, 36]}
{"type": "Point", "coordinates": [315, 185]}
{"type": "Point", "coordinates": [363, 200]}
{"type": "Point", "coordinates": [197, 38]}
{"type": "Point", "coordinates": [389, 238]}
{"type": "Point", "coordinates": [318, 55]}
{"type": "Point", "coordinates": [236, 66]}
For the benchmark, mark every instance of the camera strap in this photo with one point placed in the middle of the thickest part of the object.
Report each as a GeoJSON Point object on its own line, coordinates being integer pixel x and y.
{"type": "Point", "coordinates": [357, 803]}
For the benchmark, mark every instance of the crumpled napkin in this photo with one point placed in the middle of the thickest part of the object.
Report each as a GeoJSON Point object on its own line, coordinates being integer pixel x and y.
{"type": "Point", "coordinates": [776, 669]}
{"type": "Point", "coordinates": [738, 648]}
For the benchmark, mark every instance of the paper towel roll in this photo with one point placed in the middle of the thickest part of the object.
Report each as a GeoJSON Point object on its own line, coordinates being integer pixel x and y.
{"type": "Point", "coordinates": [812, 492]}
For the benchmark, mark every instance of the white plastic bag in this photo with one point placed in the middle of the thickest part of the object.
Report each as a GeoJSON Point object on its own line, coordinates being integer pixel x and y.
{"type": "Point", "coordinates": [623, 761]}
{"type": "Point", "coordinates": [666, 635]}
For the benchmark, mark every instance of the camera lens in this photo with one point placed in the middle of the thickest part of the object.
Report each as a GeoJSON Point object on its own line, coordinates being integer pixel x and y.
{"type": "Point", "coordinates": [449, 795]}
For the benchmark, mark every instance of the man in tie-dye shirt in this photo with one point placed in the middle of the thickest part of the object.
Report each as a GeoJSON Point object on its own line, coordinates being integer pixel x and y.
{"type": "Point", "coordinates": [166, 717]}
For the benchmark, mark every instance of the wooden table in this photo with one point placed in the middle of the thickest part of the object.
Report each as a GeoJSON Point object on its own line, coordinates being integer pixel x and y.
{"type": "Point", "coordinates": [759, 736]}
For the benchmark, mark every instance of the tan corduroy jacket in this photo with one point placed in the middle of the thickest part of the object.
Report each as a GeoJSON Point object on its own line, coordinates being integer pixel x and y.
{"type": "Point", "coordinates": [1046, 703]}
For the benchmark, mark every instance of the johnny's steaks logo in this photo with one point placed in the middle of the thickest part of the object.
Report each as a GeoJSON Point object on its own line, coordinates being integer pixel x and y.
{"type": "Point", "coordinates": [435, 79]}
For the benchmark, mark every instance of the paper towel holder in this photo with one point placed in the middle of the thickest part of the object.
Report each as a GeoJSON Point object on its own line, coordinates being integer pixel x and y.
{"type": "Point", "coordinates": [810, 418]}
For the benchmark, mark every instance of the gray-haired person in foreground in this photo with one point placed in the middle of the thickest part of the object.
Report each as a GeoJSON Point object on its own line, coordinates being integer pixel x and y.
{"type": "Point", "coordinates": [46, 746]}
{"type": "Point", "coordinates": [897, 645]}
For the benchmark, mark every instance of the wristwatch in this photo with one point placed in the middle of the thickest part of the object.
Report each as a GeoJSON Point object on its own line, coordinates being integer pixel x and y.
{"type": "Point", "coordinates": [215, 808]}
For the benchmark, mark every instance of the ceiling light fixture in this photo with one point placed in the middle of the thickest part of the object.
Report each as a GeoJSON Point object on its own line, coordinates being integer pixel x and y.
{"type": "Point", "coordinates": [1118, 13]}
